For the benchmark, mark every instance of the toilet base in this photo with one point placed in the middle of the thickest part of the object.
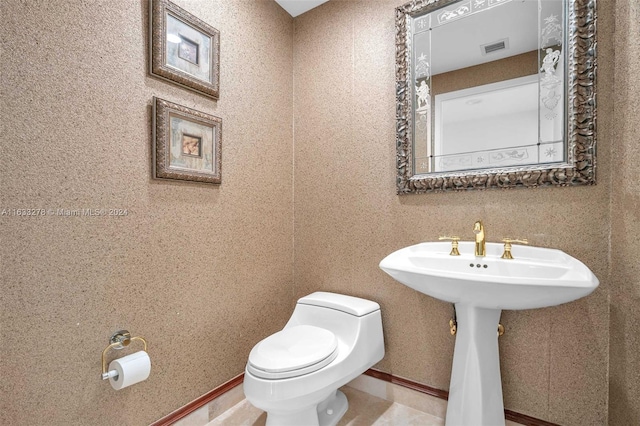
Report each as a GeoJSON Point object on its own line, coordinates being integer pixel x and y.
{"type": "Point", "coordinates": [331, 410]}
{"type": "Point", "coordinates": [327, 413]}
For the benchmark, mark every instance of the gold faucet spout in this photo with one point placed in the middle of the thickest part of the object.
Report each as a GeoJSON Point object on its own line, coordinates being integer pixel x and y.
{"type": "Point", "coordinates": [478, 229]}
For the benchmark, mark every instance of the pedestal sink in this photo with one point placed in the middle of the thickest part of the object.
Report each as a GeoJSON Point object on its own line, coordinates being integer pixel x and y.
{"type": "Point", "coordinates": [480, 288]}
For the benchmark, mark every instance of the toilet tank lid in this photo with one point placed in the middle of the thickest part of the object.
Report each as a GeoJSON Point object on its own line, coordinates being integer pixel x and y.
{"type": "Point", "coordinates": [349, 304]}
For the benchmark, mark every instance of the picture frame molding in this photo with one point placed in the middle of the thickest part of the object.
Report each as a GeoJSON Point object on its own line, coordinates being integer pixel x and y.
{"type": "Point", "coordinates": [158, 10]}
{"type": "Point", "coordinates": [163, 110]}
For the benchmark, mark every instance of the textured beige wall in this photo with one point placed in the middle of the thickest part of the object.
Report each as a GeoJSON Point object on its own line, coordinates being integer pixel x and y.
{"type": "Point", "coordinates": [203, 272]}
{"type": "Point", "coordinates": [348, 217]}
{"type": "Point", "coordinates": [624, 384]}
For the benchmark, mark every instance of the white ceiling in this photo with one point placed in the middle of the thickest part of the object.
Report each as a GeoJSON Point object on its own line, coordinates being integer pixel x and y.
{"type": "Point", "coordinates": [298, 7]}
{"type": "Point", "coordinates": [457, 44]}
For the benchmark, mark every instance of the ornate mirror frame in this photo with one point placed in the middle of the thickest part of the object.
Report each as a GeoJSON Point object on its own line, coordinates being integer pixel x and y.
{"type": "Point", "coordinates": [580, 115]}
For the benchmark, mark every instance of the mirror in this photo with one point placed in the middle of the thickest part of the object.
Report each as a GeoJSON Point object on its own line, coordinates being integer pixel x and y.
{"type": "Point", "coordinates": [495, 93]}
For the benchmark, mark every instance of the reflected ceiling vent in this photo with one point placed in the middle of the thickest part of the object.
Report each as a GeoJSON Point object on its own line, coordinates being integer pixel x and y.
{"type": "Point", "coordinates": [496, 46]}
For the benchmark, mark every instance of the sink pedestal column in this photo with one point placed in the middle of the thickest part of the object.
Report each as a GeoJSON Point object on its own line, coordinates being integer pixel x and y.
{"type": "Point", "coordinates": [475, 392]}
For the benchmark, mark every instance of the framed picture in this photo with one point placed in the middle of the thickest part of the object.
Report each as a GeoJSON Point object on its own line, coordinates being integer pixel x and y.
{"type": "Point", "coordinates": [187, 143]}
{"type": "Point", "coordinates": [184, 49]}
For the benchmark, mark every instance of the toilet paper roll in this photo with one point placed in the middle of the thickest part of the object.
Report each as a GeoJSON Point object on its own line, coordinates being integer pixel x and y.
{"type": "Point", "coordinates": [131, 369]}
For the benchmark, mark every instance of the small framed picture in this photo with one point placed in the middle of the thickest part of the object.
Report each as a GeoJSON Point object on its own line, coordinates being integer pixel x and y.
{"type": "Point", "coordinates": [184, 49]}
{"type": "Point", "coordinates": [188, 50]}
{"type": "Point", "coordinates": [187, 143]}
{"type": "Point", "coordinates": [191, 145]}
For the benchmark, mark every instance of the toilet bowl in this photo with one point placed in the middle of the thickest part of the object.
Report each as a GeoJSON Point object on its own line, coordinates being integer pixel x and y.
{"type": "Point", "coordinates": [294, 374]}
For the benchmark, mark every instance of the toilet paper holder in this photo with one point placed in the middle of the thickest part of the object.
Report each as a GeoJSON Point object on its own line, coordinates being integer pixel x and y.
{"type": "Point", "coordinates": [119, 340]}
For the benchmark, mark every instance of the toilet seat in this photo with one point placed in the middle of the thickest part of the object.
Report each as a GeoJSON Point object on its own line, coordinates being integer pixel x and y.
{"type": "Point", "coordinates": [294, 351]}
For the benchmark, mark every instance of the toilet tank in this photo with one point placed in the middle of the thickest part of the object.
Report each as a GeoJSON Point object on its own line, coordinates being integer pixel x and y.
{"type": "Point", "coordinates": [348, 304]}
{"type": "Point", "coordinates": [346, 316]}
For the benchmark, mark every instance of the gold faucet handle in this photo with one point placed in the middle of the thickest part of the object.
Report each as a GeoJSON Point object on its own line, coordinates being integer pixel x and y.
{"type": "Point", "coordinates": [454, 244]}
{"type": "Point", "coordinates": [507, 246]}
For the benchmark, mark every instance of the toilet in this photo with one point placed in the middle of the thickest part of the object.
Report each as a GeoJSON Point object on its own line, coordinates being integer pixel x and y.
{"type": "Point", "coordinates": [294, 374]}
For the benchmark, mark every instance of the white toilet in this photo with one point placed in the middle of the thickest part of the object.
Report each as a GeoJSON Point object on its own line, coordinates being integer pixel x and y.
{"type": "Point", "coordinates": [294, 374]}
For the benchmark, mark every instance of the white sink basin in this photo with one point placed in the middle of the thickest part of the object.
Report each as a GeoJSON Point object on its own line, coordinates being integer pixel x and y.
{"type": "Point", "coordinates": [535, 278]}
{"type": "Point", "coordinates": [480, 288]}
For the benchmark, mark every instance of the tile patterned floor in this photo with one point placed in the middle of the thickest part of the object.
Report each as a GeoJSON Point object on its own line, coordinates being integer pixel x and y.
{"type": "Point", "coordinates": [372, 402]}
{"type": "Point", "coordinates": [364, 410]}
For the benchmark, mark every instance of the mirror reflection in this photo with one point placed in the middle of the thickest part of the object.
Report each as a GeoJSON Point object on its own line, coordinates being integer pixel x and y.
{"type": "Point", "coordinates": [495, 94]}
{"type": "Point", "coordinates": [488, 84]}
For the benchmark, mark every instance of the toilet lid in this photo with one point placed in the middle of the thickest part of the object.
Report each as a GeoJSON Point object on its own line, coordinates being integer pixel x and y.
{"type": "Point", "coordinates": [294, 351]}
